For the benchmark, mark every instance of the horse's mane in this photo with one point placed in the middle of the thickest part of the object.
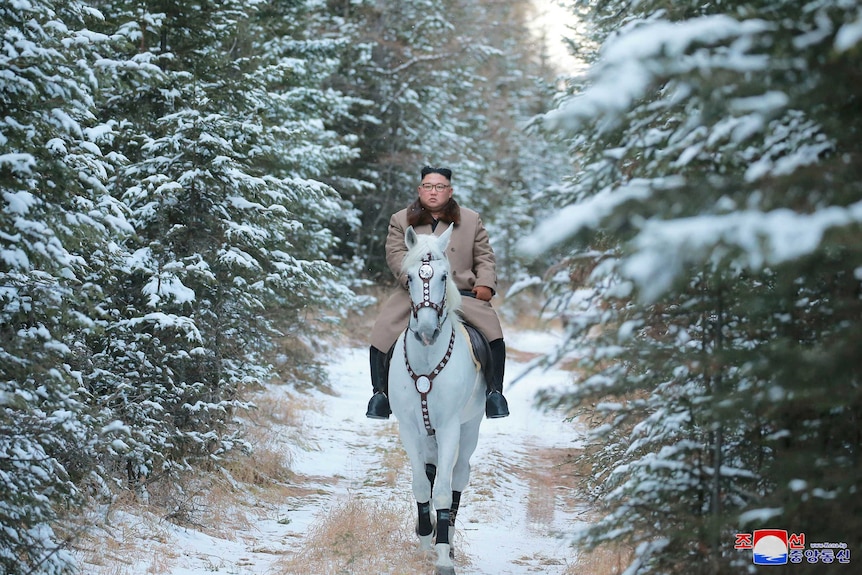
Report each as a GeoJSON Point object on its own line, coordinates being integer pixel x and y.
{"type": "Point", "coordinates": [427, 244]}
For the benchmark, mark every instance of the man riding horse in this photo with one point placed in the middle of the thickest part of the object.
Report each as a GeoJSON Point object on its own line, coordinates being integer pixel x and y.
{"type": "Point", "coordinates": [473, 271]}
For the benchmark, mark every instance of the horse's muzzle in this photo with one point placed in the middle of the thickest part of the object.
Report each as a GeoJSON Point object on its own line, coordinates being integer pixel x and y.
{"type": "Point", "coordinates": [425, 339]}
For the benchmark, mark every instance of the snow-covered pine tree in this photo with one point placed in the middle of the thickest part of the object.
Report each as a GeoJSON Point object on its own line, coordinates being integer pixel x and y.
{"type": "Point", "coordinates": [223, 145]}
{"type": "Point", "coordinates": [311, 123]}
{"type": "Point", "coordinates": [716, 214]}
{"type": "Point", "coordinates": [55, 213]}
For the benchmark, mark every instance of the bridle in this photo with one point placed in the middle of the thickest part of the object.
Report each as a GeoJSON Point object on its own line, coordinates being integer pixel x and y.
{"type": "Point", "coordinates": [426, 272]}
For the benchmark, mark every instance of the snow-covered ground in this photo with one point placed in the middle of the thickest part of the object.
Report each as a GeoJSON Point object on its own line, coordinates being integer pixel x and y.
{"type": "Point", "coordinates": [515, 514]}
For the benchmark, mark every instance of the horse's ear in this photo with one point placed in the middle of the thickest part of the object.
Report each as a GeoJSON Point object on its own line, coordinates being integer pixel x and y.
{"type": "Point", "coordinates": [410, 237]}
{"type": "Point", "coordinates": [443, 240]}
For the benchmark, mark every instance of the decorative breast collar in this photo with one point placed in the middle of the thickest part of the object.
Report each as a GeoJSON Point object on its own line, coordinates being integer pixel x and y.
{"type": "Point", "coordinates": [424, 383]}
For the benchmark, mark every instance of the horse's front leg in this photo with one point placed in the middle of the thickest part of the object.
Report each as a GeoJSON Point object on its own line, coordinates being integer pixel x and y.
{"type": "Point", "coordinates": [447, 453]}
{"type": "Point", "coordinates": [461, 471]}
{"type": "Point", "coordinates": [415, 449]}
{"type": "Point", "coordinates": [424, 525]}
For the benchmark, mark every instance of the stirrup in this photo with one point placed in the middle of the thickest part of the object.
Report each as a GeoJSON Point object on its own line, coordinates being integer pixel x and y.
{"type": "Point", "coordinates": [378, 406]}
{"type": "Point", "coordinates": [496, 405]}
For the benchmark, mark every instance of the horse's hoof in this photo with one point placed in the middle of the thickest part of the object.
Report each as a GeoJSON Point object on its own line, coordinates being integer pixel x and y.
{"type": "Point", "coordinates": [444, 565]}
{"type": "Point", "coordinates": [426, 543]}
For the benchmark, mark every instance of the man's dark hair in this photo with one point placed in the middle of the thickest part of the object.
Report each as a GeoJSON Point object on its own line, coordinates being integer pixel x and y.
{"type": "Point", "coordinates": [445, 172]}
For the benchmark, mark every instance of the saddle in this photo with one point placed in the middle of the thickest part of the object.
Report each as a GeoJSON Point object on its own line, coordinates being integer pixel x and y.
{"type": "Point", "coordinates": [480, 346]}
{"type": "Point", "coordinates": [481, 352]}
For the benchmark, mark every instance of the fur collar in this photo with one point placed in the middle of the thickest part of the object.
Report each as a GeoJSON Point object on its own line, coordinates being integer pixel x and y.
{"type": "Point", "coordinates": [417, 215]}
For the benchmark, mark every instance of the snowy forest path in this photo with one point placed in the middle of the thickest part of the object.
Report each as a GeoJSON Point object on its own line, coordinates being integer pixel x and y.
{"type": "Point", "coordinates": [345, 504]}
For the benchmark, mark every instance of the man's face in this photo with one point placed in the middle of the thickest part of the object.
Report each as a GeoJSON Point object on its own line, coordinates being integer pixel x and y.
{"type": "Point", "coordinates": [434, 199]}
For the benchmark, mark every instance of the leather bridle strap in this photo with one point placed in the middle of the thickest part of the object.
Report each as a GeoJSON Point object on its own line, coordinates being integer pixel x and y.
{"type": "Point", "coordinates": [426, 272]}
{"type": "Point", "coordinates": [424, 383]}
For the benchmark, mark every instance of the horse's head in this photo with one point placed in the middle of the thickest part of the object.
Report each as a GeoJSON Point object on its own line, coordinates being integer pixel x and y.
{"type": "Point", "coordinates": [432, 292]}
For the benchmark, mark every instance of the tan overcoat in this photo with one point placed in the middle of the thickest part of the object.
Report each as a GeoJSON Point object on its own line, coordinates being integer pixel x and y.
{"type": "Point", "coordinates": [472, 262]}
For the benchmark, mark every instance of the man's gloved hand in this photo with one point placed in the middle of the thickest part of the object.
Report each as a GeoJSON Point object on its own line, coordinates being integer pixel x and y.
{"type": "Point", "coordinates": [483, 293]}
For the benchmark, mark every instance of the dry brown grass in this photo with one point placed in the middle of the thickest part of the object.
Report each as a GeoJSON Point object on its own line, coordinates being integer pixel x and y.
{"type": "Point", "coordinates": [360, 537]}
{"type": "Point", "coordinates": [273, 423]}
{"type": "Point", "coordinates": [554, 476]}
{"type": "Point", "coordinates": [274, 432]}
{"type": "Point", "coordinates": [605, 560]}
{"type": "Point", "coordinates": [394, 462]}
{"type": "Point", "coordinates": [219, 501]}
{"type": "Point", "coordinates": [357, 325]}
{"type": "Point", "coordinates": [118, 547]}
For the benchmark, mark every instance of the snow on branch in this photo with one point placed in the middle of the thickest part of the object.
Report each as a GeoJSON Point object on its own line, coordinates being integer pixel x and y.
{"type": "Point", "coordinates": [630, 64]}
{"type": "Point", "coordinates": [663, 248]}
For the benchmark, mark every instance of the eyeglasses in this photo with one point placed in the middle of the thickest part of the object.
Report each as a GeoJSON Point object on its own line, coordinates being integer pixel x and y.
{"type": "Point", "coordinates": [438, 187]}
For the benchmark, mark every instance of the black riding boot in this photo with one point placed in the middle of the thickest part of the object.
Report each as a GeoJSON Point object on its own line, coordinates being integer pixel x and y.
{"type": "Point", "coordinates": [378, 406]}
{"type": "Point", "coordinates": [495, 404]}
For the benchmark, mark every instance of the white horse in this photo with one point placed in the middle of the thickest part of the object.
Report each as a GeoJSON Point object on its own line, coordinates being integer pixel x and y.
{"type": "Point", "coordinates": [436, 391]}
